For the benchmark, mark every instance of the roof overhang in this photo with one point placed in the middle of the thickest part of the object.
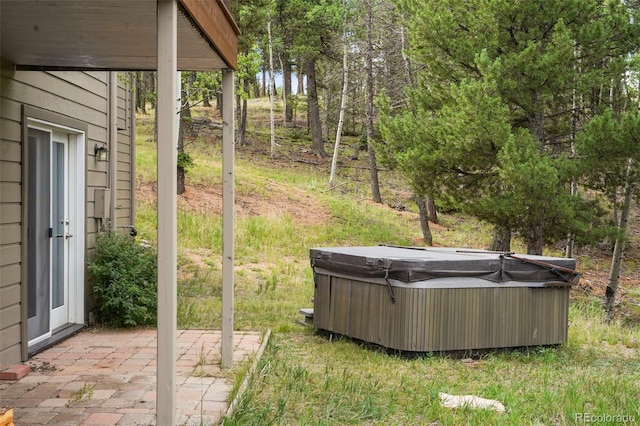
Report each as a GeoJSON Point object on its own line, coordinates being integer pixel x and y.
{"type": "Point", "coordinates": [113, 34]}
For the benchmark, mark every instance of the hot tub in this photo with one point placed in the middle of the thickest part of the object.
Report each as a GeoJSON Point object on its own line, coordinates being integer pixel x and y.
{"type": "Point", "coordinates": [441, 299]}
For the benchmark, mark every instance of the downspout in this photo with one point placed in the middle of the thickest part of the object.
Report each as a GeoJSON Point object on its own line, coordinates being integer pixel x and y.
{"type": "Point", "coordinates": [132, 163]}
{"type": "Point", "coordinates": [113, 147]}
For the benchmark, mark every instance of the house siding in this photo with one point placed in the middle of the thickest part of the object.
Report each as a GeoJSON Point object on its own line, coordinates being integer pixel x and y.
{"type": "Point", "coordinates": [78, 96]}
{"type": "Point", "coordinates": [126, 158]}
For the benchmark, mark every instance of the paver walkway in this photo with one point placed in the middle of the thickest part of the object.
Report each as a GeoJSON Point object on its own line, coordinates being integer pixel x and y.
{"type": "Point", "coordinates": [108, 377]}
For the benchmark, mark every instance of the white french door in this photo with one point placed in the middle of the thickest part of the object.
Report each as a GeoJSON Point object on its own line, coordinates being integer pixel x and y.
{"type": "Point", "coordinates": [55, 235]}
{"type": "Point", "coordinates": [60, 230]}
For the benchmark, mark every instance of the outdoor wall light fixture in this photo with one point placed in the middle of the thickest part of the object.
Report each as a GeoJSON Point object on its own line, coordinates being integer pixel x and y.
{"type": "Point", "coordinates": [100, 152]}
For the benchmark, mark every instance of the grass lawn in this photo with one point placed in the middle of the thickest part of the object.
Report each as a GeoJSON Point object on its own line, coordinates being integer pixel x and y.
{"type": "Point", "coordinates": [283, 208]}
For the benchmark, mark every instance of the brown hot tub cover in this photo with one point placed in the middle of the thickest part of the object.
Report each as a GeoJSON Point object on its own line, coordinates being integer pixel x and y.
{"type": "Point", "coordinates": [448, 267]}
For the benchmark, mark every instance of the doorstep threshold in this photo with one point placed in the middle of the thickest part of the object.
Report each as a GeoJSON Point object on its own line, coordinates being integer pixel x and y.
{"type": "Point", "coordinates": [59, 334]}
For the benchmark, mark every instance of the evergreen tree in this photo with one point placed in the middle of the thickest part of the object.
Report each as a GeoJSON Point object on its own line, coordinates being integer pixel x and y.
{"type": "Point", "coordinates": [488, 126]}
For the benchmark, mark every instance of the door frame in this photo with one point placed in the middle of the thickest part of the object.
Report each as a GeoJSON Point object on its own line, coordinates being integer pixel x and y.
{"type": "Point", "coordinates": [66, 313]}
{"type": "Point", "coordinates": [77, 132]}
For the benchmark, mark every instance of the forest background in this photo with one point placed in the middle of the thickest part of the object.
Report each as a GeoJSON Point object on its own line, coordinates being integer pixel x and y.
{"type": "Point", "coordinates": [524, 116]}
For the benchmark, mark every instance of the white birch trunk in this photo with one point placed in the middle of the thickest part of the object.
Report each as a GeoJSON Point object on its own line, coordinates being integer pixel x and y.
{"type": "Point", "coordinates": [343, 101]}
{"type": "Point", "coordinates": [271, 96]}
{"type": "Point", "coordinates": [405, 58]}
{"type": "Point", "coordinates": [571, 238]}
{"type": "Point", "coordinates": [373, 164]}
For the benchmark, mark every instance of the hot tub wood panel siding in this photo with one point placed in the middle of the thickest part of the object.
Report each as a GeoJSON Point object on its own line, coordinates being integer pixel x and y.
{"type": "Point", "coordinates": [321, 298]}
{"type": "Point", "coordinates": [441, 319]}
{"type": "Point", "coordinates": [358, 310]}
{"type": "Point", "coordinates": [378, 326]}
{"type": "Point", "coordinates": [340, 290]}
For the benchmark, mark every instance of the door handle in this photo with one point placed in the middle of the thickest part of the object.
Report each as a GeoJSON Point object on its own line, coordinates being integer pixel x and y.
{"type": "Point", "coordinates": [67, 236]}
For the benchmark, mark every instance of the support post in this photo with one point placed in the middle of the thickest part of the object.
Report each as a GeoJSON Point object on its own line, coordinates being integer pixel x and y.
{"type": "Point", "coordinates": [228, 141]}
{"type": "Point", "coordinates": [167, 213]}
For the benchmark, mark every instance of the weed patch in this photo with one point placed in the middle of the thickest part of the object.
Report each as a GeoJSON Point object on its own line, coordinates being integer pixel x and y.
{"type": "Point", "coordinates": [85, 393]}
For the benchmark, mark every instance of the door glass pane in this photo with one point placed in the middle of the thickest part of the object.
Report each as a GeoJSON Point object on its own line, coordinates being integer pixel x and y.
{"type": "Point", "coordinates": [58, 224]}
{"type": "Point", "coordinates": [38, 229]}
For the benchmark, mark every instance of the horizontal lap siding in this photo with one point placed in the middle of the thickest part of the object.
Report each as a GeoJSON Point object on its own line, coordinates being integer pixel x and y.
{"type": "Point", "coordinates": [71, 94]}
{"type": "Point", "coordinates": [10, 227]}
{"type": "Point", "coordinates": [27, 89]}
{"type": "Point", "coordinates": [76, 95]}
{"type": "Point", "coordinates": [425, 320]}
{"type": "Point", "coordinates": [84, 79]}
{"type": "Point", "coordinates": [124, 98]}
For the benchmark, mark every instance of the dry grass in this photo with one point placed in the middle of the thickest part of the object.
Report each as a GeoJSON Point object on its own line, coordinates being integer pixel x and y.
{"type": "Point", "coordinates": [284, 208]}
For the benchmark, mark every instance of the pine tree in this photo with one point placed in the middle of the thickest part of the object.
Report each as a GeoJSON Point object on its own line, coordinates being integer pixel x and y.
{"type": "Point", "coordinates": [488, 125]}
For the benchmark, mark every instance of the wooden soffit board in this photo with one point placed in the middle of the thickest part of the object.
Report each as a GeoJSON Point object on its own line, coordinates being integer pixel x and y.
{"type": "Point", "coordinates": [113, 34]}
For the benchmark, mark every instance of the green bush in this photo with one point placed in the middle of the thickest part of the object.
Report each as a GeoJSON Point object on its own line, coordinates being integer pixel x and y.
{"type": "Point", "coordinates": [125, 281]}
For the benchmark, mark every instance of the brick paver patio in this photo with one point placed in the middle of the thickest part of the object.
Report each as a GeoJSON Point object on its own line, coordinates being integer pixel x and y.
{"type": "Point", "coordinates": [107, 377]}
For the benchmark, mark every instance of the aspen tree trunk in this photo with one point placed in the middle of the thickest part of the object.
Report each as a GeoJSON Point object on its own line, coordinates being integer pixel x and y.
{"type": "Point", "coordinates": [618, 250]}
{"type": "Point", "coordinates": [343, 101]}
{"type": "Point", "coordinates": [373, 164]}
{"type": "Point", "coordinates": [571, 238]}
{"type": "Point", "coordinates": [405, 58]}
{"type": "Point", "coordinates": [271, 94]}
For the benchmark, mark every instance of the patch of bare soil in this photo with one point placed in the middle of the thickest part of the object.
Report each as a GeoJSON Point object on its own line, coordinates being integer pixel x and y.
{"type": "Point", "coordinates": [278, 200]}
{"type": "Point", "coordinates": [620, 349]}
